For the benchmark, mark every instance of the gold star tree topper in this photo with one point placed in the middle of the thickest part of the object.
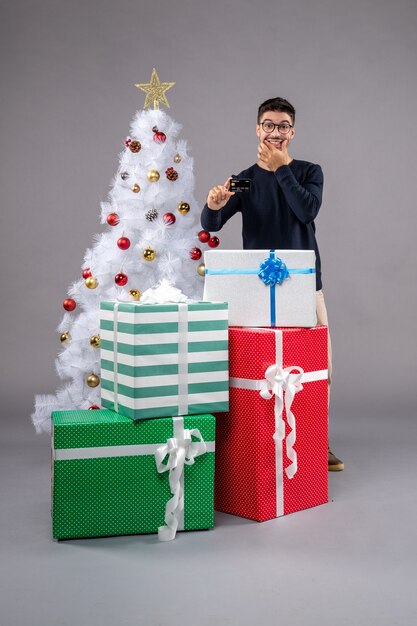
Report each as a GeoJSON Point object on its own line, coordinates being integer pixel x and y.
{"type": "Point", "coordinates": [155, 91]}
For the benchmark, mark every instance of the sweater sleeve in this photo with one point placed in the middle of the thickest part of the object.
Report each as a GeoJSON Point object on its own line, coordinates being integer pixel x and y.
{"type": "Point", "coordinates": [215, 220]}
{"type": "Point", "coordinates": [304, 200]}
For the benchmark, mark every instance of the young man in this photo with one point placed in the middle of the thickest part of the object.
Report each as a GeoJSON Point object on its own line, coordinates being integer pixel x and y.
{"type": "Point", "coordinates": [284, 199]}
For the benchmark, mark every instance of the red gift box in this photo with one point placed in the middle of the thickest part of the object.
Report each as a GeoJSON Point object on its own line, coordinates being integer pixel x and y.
{"type": "Point", "coordinates": [272, 445]}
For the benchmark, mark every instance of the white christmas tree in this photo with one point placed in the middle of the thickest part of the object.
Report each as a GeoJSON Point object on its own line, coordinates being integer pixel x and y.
{"type": "Point", "coordinates": [152, 234]}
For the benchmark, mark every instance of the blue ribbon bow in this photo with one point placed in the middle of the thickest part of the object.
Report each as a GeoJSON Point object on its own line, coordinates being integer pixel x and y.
{"type": "Point", "coordinates": [273, 271]}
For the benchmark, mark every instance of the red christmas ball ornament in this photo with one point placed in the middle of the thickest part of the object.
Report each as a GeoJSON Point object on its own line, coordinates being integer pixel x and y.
{"type": "Point", "coordinates": [113, 219]}
{"type": "Point", "coordinates": [120, 279]}
{"type": "Point", "coordinates": [69, 304]}
{"type": "Point", "coordinates": [168, 219]}
{"type": "Point", "coordinates": [204, 236]}
{"type": "Point", "coordinates": [160, 137]}
{"type": "Point", "coordinates": [123, 243]}
{"type": "Point", "coordinates": [93, 407]}
{"type": "Point", "coordinates": [213, 242]}
{"type": "Point", "coordinates": [86, 273]}
{"type": "Point", "coordinates": [195, 254]}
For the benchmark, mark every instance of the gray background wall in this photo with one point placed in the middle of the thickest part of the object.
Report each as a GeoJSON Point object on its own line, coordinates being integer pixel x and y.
{"type": "Point", "coordinates": [67, 70]}
{"type": "Point", "coordinates": [67, 98]}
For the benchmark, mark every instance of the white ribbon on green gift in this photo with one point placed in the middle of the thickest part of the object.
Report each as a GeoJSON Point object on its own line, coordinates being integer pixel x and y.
{"type": "Point", "coordinates": [182, 357]}
{"type": "Point", "coordinates": [282, 384]}
{"type": "Point", "coordinates": [181, 450]}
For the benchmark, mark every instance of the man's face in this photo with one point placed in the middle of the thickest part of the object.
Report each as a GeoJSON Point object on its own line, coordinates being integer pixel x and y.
{"type": "Point", "coordinates": [275, 135]}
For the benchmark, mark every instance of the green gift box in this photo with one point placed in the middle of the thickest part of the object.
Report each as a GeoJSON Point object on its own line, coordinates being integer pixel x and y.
{"type": "Point", "coordinates": [161, 360]}
{"type": "Point", "coordinates": [115, 476]}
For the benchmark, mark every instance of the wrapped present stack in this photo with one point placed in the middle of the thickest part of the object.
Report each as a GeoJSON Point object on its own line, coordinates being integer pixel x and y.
{"type": "Point", "coordinates": [271, 450]}
{"type": "Point", "coordinates": [145, 462]}
{"type": "Point", "coordinates": [250, 353]}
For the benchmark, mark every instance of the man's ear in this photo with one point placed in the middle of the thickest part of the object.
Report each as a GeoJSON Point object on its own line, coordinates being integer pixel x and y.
{"type": "Point", "coordinates": [258, 130]}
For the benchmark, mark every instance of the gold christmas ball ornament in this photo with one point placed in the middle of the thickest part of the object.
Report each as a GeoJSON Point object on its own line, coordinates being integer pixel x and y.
{"type": "Point", "coordinates": [183, 208]}
{"type": "Point", "coordinates": [201, 269]}
{"type": "Point", "coordinates": [149, 254]}
{"type": "Point", "coordinates": [153, 176]}
{"type": "Point", "coordinates": [95, 341]}
{"type": "Point", "coordinates": [91, 282]}
{"type": "Point", "coordinates": [65, 337]}
{"type": "Point", "coordinates": [135, 294]}
{"type": "Point", "coordinates": [177, 158]}
{"type": "Point", "coordinates": [93, 380]}
{"type": "Point", "coordinates": [135, 188]}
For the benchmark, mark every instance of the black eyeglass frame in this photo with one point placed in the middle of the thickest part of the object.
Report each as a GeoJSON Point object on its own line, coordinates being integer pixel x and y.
{"type": "Point", "coordinates": [276, 126]}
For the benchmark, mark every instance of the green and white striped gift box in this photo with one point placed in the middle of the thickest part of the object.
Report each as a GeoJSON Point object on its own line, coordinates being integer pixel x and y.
{"type": "Point", "coordinates": [161, 360]}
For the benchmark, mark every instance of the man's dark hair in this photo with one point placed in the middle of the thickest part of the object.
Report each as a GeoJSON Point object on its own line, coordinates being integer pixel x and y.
{"type": "Point", "coordinates": [277, 104]}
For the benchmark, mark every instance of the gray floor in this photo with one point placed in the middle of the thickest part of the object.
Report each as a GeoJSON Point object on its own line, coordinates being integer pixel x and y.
{"type": "Point", "coordinates": [350, 562]}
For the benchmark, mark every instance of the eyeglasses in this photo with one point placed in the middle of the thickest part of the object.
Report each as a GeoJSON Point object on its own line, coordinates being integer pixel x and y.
{"type": "Point", "coordinates": [284, 127]}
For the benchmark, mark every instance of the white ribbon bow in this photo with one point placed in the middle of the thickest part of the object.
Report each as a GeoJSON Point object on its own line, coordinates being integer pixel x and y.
{"type": "Point", "coordinates": [278, 382]}
{"type": "Point", "coordinates": [180, 451]}
{"type": "Point", "coordinates": [164, 293]}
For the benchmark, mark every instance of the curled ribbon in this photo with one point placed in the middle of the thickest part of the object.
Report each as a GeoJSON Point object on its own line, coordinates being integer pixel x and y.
{"type": "Point", "coordinates": [180, 451]}
{"type": "Point", "coordinates": [273, 271]}
{"type": "Point", "coordinates": [283, 384]}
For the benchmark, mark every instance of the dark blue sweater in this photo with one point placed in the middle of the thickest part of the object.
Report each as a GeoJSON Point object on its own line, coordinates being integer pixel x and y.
{"type": "Point", "coordinates": [279, 210]}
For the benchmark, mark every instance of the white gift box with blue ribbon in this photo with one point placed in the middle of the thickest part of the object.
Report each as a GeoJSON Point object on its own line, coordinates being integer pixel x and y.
{"type": "Point", "coordinates": [263, 287]}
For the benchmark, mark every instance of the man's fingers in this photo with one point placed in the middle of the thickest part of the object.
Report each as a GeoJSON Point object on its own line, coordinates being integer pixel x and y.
{"type": "Point", "coordinates": [262, 155]}
{"type": "Point", "coordinates": [264, 149]}
{"type": "Point", "coordinates": [219, 193]}
{"type": "Point", "coordinates": [215, 194]}
{"type": "Point", "coordinates": [222, 192]}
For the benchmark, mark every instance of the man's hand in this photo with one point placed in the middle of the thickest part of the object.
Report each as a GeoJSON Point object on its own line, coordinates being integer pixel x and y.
{"type": "Point", "coordinates": [219, 196]}
{"type": "Point", "coordinates": [271, 158]}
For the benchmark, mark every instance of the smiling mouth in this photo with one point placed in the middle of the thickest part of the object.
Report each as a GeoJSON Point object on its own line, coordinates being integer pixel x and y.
{"type": "Point", "coordinates": [275, 142]}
